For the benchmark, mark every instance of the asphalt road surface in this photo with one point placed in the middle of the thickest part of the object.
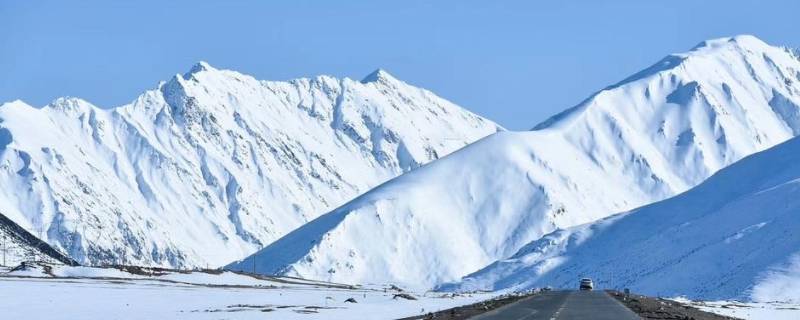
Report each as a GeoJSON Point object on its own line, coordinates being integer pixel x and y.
{"type": "Point", "coordinates": [563, 305]}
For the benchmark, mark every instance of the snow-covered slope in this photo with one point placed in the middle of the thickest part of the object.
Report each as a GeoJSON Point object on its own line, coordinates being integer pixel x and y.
{"type": "Point", "coordinates": [17, 245]}
{"type": "Point", "coordinates": [734, 236]}
{"type": "Point", "coordinates": [213, 164]}
{"type": "Point", "coordinates": [649, 137]}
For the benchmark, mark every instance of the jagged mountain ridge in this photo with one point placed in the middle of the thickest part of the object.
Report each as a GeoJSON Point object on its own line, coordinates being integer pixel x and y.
{"type": "Point", "coordinates": [213, 164]}
{"type": "Point", "coordinates": [734, 236]}
{"type": "Point", "coordinates": [647, 138]}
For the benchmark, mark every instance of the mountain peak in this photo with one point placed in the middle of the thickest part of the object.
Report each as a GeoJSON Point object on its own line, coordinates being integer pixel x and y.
{"type": "Point", "coordinates": [696, 58]}
{"type": "Point", "coordinates": [742, 40]}
{"type": "Point", "coordinates": [219, 144]}
{"type": "Point", "coordinates": [13, 103]}
{"type": "Point", "coordinates": [198, 67]}
{"type": "Point", "coordinates": [747, 38]}
{"type": "Point", "coordinates": [69, 104]}
{"type": "Point", "coordinates": [378, 75]}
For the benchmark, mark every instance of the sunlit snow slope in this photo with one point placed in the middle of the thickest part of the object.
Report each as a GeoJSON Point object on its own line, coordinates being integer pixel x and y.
{"type": "Point", "coordinates": [213, 164]}
{"type": "Point", "coordinates": [649, 137]}
{"type": "Point", "coordinates": [735, 236]}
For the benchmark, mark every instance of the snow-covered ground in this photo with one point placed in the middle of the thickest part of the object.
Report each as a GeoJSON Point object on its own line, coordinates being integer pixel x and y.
{"type": "Point", "coordinates": [749, 310]}
{"type": "Point", "coordinates": [95, 293]}
{"type": "Point", "coordinates": [649, 137]}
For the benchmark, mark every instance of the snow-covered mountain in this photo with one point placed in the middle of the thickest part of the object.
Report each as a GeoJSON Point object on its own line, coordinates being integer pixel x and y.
{"type": "Point", "coordinates": [213, 164]}
{"type": "Point", "coordinates": [18, 245]}
{"type": "Point", "coordinates": [735, 236]}
{"type": "Point", "coordinates": [649, 137]}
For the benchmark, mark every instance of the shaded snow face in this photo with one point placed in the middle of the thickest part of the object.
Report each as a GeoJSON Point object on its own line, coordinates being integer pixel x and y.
{"type": "Point", "coordinates": [213, 164]}
{"type": "Point", "coordinates": [732, 237]}
{"type": "Point", "coordinates": [650, 137]}
{"type": "Point", "coordinates": [16, 246]}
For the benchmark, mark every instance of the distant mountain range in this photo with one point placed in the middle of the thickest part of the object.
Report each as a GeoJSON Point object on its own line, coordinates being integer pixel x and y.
{"type": "Point", "coordinates": [651, 136]}
{"type": "Point", "coordinates": [213, 164]}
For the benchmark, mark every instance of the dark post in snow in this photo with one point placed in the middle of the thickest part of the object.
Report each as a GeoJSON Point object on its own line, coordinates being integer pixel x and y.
{"type": "Point", "coordinates": [255, 256]}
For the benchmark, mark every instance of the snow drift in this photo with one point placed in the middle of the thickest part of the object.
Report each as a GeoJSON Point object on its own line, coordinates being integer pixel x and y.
{"type": "Point", "coordinates": [647, 138]}
{"type": "Point", "coordinates": [213, 164]}
{"type": "Point", "coordinates": [734, 236]}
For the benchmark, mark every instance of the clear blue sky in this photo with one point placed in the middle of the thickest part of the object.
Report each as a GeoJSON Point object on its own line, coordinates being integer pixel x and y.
{"type": "Point", "coordinates": [516, 62]}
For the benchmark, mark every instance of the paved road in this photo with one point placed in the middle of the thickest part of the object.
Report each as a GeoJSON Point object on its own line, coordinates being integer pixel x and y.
{"type": "Point", "coordinates": [563, 305]}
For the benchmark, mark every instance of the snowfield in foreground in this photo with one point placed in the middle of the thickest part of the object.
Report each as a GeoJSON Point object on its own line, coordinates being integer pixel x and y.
{"type": "Point", "coordinates": [749, 310]}
{"type": "Point", "coordinates": [94, 293]}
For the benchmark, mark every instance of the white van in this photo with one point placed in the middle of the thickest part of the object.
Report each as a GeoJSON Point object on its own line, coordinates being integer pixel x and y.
{"type": "Point", "coordinates": [586, 284]}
